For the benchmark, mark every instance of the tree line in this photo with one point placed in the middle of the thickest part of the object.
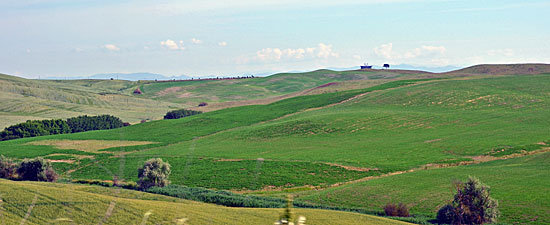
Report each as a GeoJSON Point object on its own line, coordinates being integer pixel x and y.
{"type": "Point", "coordinates": [180, 113]}
{"type": "Point", "coordinates": [34, 128]}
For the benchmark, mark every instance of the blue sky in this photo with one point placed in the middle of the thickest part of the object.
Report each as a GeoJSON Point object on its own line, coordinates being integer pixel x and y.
{"type": "Point", "coordinates": [202, 37]}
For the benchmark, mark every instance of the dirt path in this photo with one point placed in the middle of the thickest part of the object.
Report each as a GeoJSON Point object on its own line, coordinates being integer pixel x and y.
{"type": "Point", "coordinates": [476, 160]}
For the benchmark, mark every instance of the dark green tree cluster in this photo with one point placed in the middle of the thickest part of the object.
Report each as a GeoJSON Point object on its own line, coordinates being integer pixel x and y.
{"type": "Point", "coordinates": [86, 123]}
{"type": "Point", "coordinates": [34, 128]}
{"type": "Point", "coordinates": [37, 169]}
{"type": "Point", "coordinates": [180, 113]}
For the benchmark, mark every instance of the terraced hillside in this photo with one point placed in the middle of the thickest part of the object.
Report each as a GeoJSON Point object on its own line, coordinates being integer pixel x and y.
{"type": "Point", "coordinates": [42, 203]}
{"type": "Point", "coordinates": [330, 148]}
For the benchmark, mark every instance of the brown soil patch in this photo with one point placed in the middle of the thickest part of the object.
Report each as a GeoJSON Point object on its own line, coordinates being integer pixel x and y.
{"type": "Point", "coordinates": [168, 91]}
{"type": "Point", "coordinates": [434, 140]}
{"type": "Point", "coordinates": [73, 155]}
{"type": "Point", "coordinates": [185, 95]}
{"type": "Point", "coordinates": [70, 161]}
{"type": "Point", "coordinates": [229, 160]}
{"type": "Point", "coordinates": [353, 168]}
{"type": "Point", "coordinates": [88, 145]}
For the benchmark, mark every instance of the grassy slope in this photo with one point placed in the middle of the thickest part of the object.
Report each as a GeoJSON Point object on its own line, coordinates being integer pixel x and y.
{"type": "Point", "coordinates": [174, 131]}
{"type": "Point", "coordinates": [24, 99]}
{"type": "Point", "coordinates": [81, 204]}
{"type": "Point", "coordinates": [521, 185]}
{"type": "Point", "coordinates": [258, 88]}
{"type": "Point", "coordinates": [437, 122]}
{"type": "Point", "coordinates": [41, 99]}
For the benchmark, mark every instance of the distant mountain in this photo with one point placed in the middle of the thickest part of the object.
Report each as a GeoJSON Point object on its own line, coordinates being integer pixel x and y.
{"type": "Point", "coordinates": [137, 76]}
{"type": "Point", "coordinates": [125, 76]}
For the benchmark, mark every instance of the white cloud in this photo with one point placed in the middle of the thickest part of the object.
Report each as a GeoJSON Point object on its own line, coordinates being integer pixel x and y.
{"type": "Point", "coordinates": [358, 57]}
{"type": "Point", "coordinates": [196, 41]}
{"type": "Point", "coordinates": [425, 51]}
{"type": "Point", "coordinates": [28, 50]}
{"type": "Point", "coordinates": [322, 51]}
{"type": "Point", "coordinates": [111, 47]}
{"type": "Point", "coordinates": [172, 45]}
{"type": "Point", "coordinates": [325, 51]}
{"type": "Point", "coordinates": [223, 43]}
{"type": "Point", "coordinates": [384, 50]}
{"type": "Point", "coordinates": [500, 52]}
{"type": "Point", "coordinates": [78, 49]}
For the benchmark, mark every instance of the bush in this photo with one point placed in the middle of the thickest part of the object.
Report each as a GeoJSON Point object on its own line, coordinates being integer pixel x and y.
{"type": "Point", "coordinates": [400, 210]}
{"type": "Point", "coordinates": [446, 214]}
{"type": "Point", "coordinates": [36, 169]}
{"type": "Point", "coordinates": [471, 205]}
{"type": "Point", "coordinates": [7, 168]}
{"type": "Point", "coordinates": [154, 172]}
{"type": "Point", "coordinates": [180, 113]}
{"type": "Point", "coordinates": [203, 104]}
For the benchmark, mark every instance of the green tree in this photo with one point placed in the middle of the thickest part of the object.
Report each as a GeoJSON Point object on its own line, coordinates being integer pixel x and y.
{"type": "Point", "coordinates": [154, 172]}
{"type": "Point", "coordinates": [472, 204]}
{"type": "Point", "coordinates": [37, 169]}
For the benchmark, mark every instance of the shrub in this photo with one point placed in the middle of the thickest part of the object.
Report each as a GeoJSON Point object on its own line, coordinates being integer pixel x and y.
{"type": "Point", "coordinates": [154, 172]}
{"type": "Point", "coordinates": [446, 214]}
{"type": "Point", "coordinates": [400, 210]}
{"type": "Point", "coordinates": [180, 113]}
{"type": "Point", "coordinates": [471, 205]}
{"type": "Point", "coordinates": [7, 168]}
{"type": "Point", "coordinates": [36, 169]}
{"type": "Point", "coordinates": [203, 104]}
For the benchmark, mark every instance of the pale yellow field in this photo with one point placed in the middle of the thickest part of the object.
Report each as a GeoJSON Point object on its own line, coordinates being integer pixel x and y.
{"type": "Point", "coordinates": [47, 203]}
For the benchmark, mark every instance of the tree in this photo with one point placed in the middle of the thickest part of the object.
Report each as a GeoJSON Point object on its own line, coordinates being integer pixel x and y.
{"type": "Point", "coordinates": [7, 168]}
{"type": "Point", "coordinates": [37, 169]}
{"type": "Point", "coordinates": [154, 172]}
{"type": "Point", "coordinates": [386, 66]}
{"type": "Point", "coordinates": [471, 205]}
{"type": "Point", "coordinates": [180, 113]}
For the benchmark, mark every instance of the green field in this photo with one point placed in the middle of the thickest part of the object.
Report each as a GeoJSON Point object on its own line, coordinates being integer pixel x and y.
{"type": "Point", "coordinates": [43, 203]}
{"type": "Point", "coordinates": [309, 144]}
{"type": "Point", "coordinates": [521, 185]}
{"type": "Point", "coordinates": [25, 99]}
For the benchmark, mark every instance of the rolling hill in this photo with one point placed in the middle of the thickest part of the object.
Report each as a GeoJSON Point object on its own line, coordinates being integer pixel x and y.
{"type": "Point", "coordinates": [392, 139]}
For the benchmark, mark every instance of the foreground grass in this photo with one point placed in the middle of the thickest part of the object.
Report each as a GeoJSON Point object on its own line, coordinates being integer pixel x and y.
{"type": "Point", "coordinates": [521, 185]}
{"type": "Point", "coordinates": [42, 203]}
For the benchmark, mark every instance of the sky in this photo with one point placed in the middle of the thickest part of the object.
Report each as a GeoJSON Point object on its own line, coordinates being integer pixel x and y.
{"type": "Point", "coordinates": [68, 38]}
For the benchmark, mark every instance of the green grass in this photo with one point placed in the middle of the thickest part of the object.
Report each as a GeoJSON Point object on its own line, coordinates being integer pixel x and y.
{"type": "Point", "coordinates": [521, 185]}
{"type": "Point", "coordinates": [395, 127]}
{"type": "Point", "coordinates": [24, 99]}
{"type": "Point", "coordinates": [82, 204]}
{"type": "Point", "coordinates": [257, 88]}
{"type": "Point", "coordinates": [226, 175]}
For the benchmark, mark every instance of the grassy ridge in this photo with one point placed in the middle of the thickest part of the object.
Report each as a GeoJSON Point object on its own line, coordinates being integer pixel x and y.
{"type": "Point", "coordinates": [257, 88]}
{"type": "Point", "coordinates": [521, 185]}
{"type": "Point", "coordinates": [24, 99]}
{"type": "Point", "coordinates": [81, 204]}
